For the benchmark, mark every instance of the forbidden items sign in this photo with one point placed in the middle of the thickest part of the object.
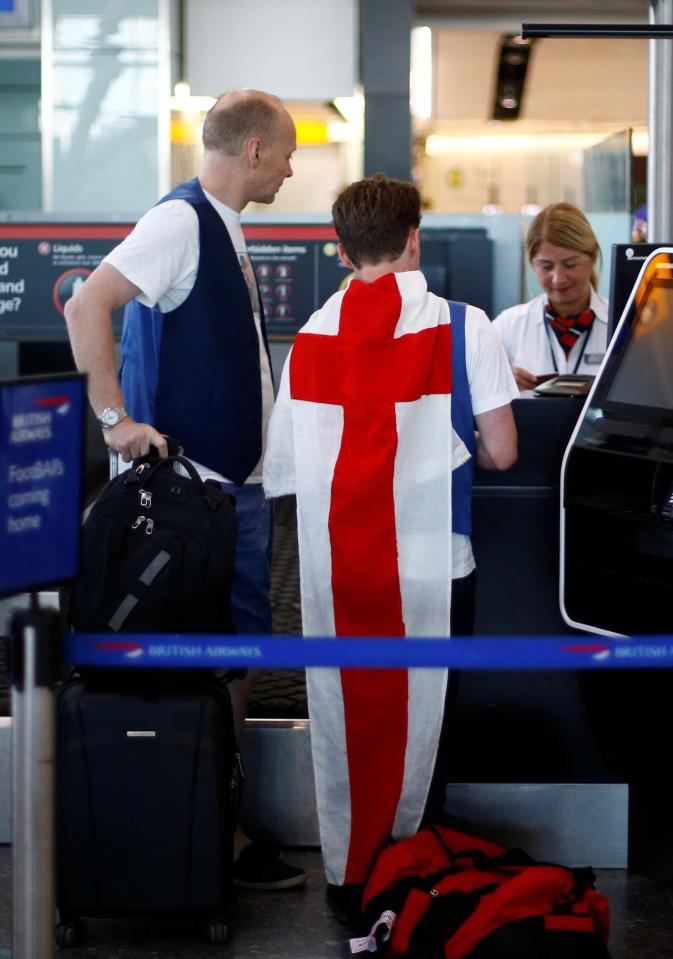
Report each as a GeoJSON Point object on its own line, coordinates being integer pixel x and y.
{"type": "Point", "coordinates": [41, 458]}
{"type": "Point", "coordinates": [297, 269]}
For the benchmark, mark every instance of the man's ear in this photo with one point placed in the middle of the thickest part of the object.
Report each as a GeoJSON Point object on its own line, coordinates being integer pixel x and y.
{"type": "Point", "coordinates": [414, 241]}
{"type": "Point", "coordinates": [343, 256]}
{"type": "Point", "coordinates": [252, 150]}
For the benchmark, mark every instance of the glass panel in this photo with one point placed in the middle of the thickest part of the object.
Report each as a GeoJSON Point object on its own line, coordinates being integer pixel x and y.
{"type": "Point", "coordinates": [105, 101]}
{"type": "Point", "coordinates": [607, 175]}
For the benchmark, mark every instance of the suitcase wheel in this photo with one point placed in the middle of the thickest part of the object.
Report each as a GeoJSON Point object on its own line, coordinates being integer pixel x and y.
{"type": "Point", "coordinates": [68, 934]}
{"type": "Point", "coordinates": [217, 932]}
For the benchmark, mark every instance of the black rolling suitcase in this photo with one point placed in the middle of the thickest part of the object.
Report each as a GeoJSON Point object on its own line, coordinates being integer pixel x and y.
{"type": "Point", "coordinates": [147, 782]}
{"type": "Point", "coordinates": [147, 763]}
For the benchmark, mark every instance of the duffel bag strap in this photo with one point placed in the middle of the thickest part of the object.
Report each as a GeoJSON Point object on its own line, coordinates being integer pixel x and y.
{"type": "Point", "coordinates": [478, 859]}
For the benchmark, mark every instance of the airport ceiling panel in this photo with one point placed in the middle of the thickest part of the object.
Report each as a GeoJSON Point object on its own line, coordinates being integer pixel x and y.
{"type": "Point", "coordinates": [569, 81]}
{"type": "Point", "coordinates": [465, 65]}
{"type": "Point", "coordinates": [605, 82]}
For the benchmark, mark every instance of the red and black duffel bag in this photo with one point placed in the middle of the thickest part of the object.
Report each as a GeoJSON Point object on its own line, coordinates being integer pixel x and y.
{"type": "Point", "coordinates": [443, 895]}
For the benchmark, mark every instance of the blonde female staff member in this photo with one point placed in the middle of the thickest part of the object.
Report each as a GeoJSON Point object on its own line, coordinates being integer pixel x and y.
{"type": "Point", "coordinates": [564, 330]}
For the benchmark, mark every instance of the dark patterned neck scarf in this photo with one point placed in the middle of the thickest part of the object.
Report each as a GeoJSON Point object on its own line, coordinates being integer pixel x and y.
{"type": "Point", "coordinates": [568, 329]}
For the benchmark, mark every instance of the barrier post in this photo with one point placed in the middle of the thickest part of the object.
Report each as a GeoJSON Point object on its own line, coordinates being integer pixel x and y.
{"type": "Point", "coordinates": [34, 654]}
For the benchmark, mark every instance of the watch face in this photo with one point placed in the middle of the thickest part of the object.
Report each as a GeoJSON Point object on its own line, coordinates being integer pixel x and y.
{"type": "Point", "coordinates": [110, 417]}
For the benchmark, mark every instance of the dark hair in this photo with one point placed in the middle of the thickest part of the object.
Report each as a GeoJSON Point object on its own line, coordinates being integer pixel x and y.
{"type": "Point", "coordinates": [373, 218]}
{"type": "Point", "coordinates": [228, 127]}
{"type": "Point", "coordinates": [562, 224]}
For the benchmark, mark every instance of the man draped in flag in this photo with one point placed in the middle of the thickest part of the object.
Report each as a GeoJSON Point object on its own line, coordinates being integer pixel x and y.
{"type": "Point", "coordinates": [362, 433]}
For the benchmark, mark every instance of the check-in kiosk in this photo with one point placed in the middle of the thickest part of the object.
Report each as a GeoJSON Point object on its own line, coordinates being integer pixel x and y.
{"type": "Point", "coordinates": [617, 551]}
{"type": "Point", "coordinates": [617, 474]}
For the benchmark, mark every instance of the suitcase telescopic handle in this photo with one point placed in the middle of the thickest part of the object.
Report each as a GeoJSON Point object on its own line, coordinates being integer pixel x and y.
{"type": "Point", "coordinates": [174, 449]}
{"type": "Point", "coordinates": [113, 461]}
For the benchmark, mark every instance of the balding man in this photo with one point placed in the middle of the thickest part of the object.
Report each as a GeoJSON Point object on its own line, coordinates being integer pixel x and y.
{"type": "Point", "coordinates": [195, 361]}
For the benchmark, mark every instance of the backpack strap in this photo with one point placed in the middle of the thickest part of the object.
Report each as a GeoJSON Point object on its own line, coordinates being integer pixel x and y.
{"type": "Point", "coordinates": [170, 461]}
{"type": "Point", "coordinates": [145, 471]}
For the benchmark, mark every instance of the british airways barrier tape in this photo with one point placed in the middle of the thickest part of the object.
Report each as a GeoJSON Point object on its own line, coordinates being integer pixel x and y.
{"type": "Point", "coordinates": [507, 652]}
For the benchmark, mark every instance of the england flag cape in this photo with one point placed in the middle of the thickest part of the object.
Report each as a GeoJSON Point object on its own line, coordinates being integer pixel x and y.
{"type": "Point", "coordinates": [362, 433]}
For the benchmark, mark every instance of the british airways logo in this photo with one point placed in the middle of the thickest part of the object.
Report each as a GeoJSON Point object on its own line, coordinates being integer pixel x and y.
{"type": "Point", "coordinates": [130, 650]}
{"type": "Point", "coordinates": [596, 651]}
{"type": "Point", "coordinates": [61, 404]}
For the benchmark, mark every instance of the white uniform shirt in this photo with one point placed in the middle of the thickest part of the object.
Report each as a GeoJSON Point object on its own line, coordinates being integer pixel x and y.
{"type": "Point", "coordinates": [531, 345]}
{"type": "Point", "coordinates": [161, 257]}
{"type": "Point", "coordinates": [491, 385]}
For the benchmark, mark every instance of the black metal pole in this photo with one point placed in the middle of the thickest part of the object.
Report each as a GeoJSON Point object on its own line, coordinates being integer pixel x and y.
{"type": "Point", "coordinates": [646, 31]}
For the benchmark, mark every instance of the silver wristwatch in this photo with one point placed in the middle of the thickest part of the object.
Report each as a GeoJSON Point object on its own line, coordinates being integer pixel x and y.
{"type": "Point", "coordinates": [111, 415]}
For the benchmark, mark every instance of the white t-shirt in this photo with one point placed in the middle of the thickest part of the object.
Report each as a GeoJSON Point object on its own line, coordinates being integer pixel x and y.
{"type": "Point", "coordinates": [491, 385]}
{"type": "Point", "coordinates": [170, 232]}
{"type": "Point", "coordinates": [530, 344]}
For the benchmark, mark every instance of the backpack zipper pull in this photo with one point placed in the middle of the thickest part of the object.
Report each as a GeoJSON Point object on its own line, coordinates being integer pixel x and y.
{"type": "Point", "coordinates": [138, 521]}
{"type": "Point", "coordinates": [149, 527]}
{"type": "Point", "coordinates": [145, 498]}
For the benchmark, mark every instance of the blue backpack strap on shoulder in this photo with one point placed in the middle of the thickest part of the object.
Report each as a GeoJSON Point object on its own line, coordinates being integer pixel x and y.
{"type": "Point", "coordinates": [463, 422]}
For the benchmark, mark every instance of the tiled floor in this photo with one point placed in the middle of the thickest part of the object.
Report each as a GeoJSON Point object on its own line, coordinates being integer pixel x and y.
{"type": "Point", "coordinates": [296, 924]}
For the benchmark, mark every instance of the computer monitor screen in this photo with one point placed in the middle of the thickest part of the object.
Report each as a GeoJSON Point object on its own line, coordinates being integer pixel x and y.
{"type": "Point", "coordinates": [458, 264]}
{"type": "Point", "coordinates": [41, 266]}
{"type": "Point", "coordinates": [435, 277]}
{"type": "Point", "coordinates": [644, 376]}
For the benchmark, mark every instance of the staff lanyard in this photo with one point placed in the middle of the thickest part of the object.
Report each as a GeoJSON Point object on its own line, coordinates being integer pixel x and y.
{"type": "Point", "coordinates": [551, 345]}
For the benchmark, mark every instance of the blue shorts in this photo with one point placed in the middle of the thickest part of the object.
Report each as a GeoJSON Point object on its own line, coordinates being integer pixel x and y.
{"type": "Point", "coordinates": [250, 596]}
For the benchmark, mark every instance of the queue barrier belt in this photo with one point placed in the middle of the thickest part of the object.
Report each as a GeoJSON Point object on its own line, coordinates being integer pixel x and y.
{"type": "Point", "coordinates": [277, 652]}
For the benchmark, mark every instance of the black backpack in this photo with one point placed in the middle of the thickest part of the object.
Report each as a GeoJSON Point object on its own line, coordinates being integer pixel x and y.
{"type": "Point", "coordinates": [157, 554]}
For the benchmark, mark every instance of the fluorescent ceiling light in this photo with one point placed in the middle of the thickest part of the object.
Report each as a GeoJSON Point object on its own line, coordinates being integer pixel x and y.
{"type": "Point", "coordinates": [189, 104]}
{"type": "Point", "coordinates": [438, 143]}
{"type": "Point", "coordinates": [339, 132]}
{"type": "Point", "coordinates": [640, 142]}
{"type": "Point", "coordinates": [420, 79]}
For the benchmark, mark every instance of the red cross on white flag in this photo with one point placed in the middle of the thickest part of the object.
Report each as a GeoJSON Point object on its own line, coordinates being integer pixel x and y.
{"type": "Point", "coordinates": [362, 432]}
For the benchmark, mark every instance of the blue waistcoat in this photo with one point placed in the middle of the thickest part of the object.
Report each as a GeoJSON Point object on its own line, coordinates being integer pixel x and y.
{"type": "Point", "coordinates": [463, 423]}
{"type": "Point", "coordinates": [194, 372]}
